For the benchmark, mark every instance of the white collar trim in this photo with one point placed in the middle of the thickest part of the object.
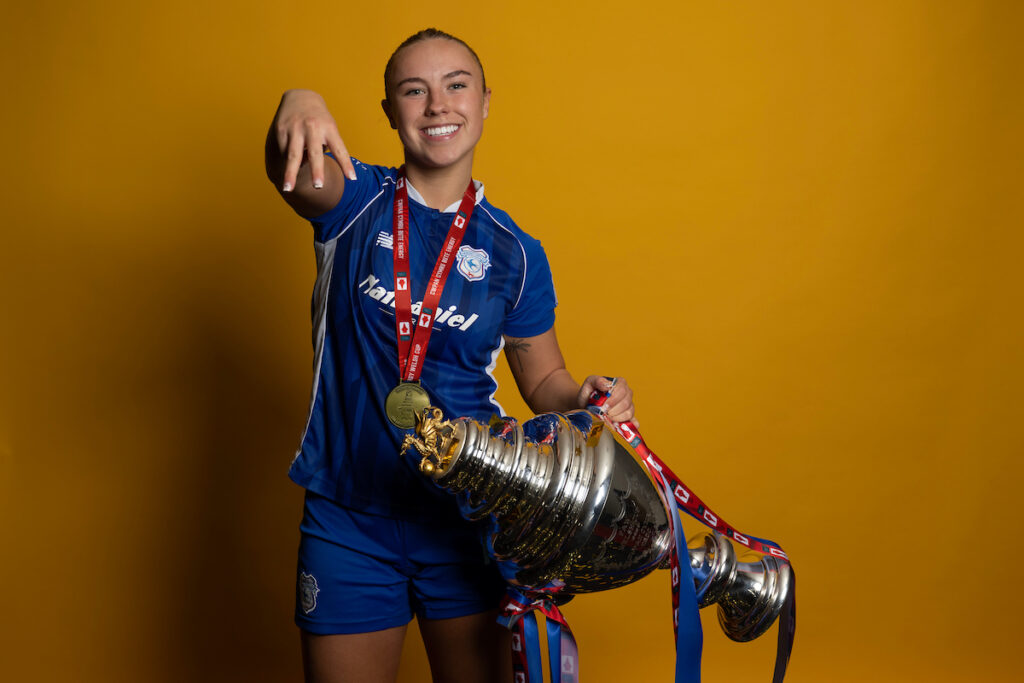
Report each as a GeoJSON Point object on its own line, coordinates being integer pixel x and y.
{"type": "Point", "coordinates": [418, 198]}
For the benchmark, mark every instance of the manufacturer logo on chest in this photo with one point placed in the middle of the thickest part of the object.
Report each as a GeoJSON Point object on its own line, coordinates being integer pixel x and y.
{"type": "Point", "coordinates": [472, 263]}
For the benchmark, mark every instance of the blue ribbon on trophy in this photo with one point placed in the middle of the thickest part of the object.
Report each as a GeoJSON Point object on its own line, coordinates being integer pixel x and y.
{"type": "Point", "coordinates": [571, 510]}
{"type": "Point", "coordinates": [518, 614]}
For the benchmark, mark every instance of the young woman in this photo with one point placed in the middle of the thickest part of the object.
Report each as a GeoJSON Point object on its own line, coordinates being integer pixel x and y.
{"type": "Point", "coordinates": [379, 542]}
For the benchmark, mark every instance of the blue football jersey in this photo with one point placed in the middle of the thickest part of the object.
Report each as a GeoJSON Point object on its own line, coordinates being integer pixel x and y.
{"type": "Point", "coordinates": [500, 285]}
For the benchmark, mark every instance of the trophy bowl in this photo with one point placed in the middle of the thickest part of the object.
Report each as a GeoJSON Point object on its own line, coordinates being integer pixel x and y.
{"type": "Point", "coordinates": [571, 512]}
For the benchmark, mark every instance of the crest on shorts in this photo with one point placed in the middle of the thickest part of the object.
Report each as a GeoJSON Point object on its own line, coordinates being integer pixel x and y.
{"type": "Point", "coordinates": [472, 263]}
{"type": "Point", "coordinates": [307, 592]}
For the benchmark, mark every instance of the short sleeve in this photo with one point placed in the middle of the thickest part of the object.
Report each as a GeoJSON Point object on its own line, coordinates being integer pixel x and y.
{"type": "Point", "coordinates": [534, 310]}
{"type": "Point", "coordinates": [356, 195]}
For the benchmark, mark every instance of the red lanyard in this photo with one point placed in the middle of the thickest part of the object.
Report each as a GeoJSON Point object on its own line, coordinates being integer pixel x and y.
{"type": "Point", "coordinates": [412, 347]}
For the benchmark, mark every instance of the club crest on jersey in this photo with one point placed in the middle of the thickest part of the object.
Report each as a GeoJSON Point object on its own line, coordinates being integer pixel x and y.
{"type": "Point", "coordinates": [307, 592]}
{"type": "Point", "coordinates": [472, 263]}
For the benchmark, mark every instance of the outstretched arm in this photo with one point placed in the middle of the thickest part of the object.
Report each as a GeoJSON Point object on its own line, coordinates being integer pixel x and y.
{"type": "Point", "coordinates": [301, 129]}
{"type": "Point", "coordinates": [546, 385]}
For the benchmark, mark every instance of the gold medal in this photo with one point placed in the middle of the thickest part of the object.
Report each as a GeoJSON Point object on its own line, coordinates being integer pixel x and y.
{"type": "Point", "coordinates": [404, 402]}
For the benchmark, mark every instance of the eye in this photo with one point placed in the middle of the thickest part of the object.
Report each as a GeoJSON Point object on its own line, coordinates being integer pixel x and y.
{"type": "Point", "coordinates": [457, 86]}
{"type": "Point", "coordinates": [414, 91]}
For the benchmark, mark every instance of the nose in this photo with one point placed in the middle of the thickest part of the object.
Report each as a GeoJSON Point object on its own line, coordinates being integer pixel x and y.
{"type": "Point", "coordinates": [437, 102]}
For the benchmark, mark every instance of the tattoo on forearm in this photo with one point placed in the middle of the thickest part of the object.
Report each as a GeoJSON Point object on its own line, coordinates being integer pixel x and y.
{"type": "Point", "coordinates": [513, 348]}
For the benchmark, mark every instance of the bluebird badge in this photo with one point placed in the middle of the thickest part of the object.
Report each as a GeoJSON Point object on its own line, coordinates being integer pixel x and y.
{"type": "Point", "coordinates": [472, 263]}
{"type": "Point", "coordinates": [307, 592]}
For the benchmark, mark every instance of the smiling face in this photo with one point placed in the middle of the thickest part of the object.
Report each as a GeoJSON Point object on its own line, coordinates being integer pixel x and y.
{"type": "Point", "coordinates": [437, 102]}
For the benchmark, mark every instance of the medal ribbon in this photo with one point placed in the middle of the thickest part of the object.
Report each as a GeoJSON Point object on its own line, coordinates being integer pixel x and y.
{"type": "Point", "coordinates": [677, 496]}
{"type": "Point", "coordinates": [412, 347]}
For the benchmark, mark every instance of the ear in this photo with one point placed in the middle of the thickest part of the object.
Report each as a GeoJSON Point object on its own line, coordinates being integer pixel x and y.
{"type": "Point", "coordinates": [487, 102]}
{"type": "Point", "coordinates": [386, 106]}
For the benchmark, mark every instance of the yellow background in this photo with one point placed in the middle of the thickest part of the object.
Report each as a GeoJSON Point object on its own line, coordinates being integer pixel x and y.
{"type": "Point", "coordinates": [795, 228]}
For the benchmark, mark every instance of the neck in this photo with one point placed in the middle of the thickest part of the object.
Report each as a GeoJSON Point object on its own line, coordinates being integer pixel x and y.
{"type": "Point", "coordinates": [440, 187]}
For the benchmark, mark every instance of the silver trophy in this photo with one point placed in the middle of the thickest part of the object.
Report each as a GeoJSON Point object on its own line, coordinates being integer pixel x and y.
{"type": "Point", "coordinates": [572, 511]}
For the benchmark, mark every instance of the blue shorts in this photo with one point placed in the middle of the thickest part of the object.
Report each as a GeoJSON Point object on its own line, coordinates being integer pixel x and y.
{"type": "Point", "coordinates": [359, 573]}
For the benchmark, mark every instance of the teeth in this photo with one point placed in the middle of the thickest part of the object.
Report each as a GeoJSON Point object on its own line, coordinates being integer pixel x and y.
{"type": "Point", "coordinates": [442, 130]}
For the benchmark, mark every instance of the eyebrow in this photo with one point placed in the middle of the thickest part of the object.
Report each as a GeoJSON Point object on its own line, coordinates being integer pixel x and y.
{"type": "Point", "coordinates": [417, 79]}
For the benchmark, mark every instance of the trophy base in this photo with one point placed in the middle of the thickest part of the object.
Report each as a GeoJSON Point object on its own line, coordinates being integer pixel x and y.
{"type": "Point", "coordinates": [750, 595]}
